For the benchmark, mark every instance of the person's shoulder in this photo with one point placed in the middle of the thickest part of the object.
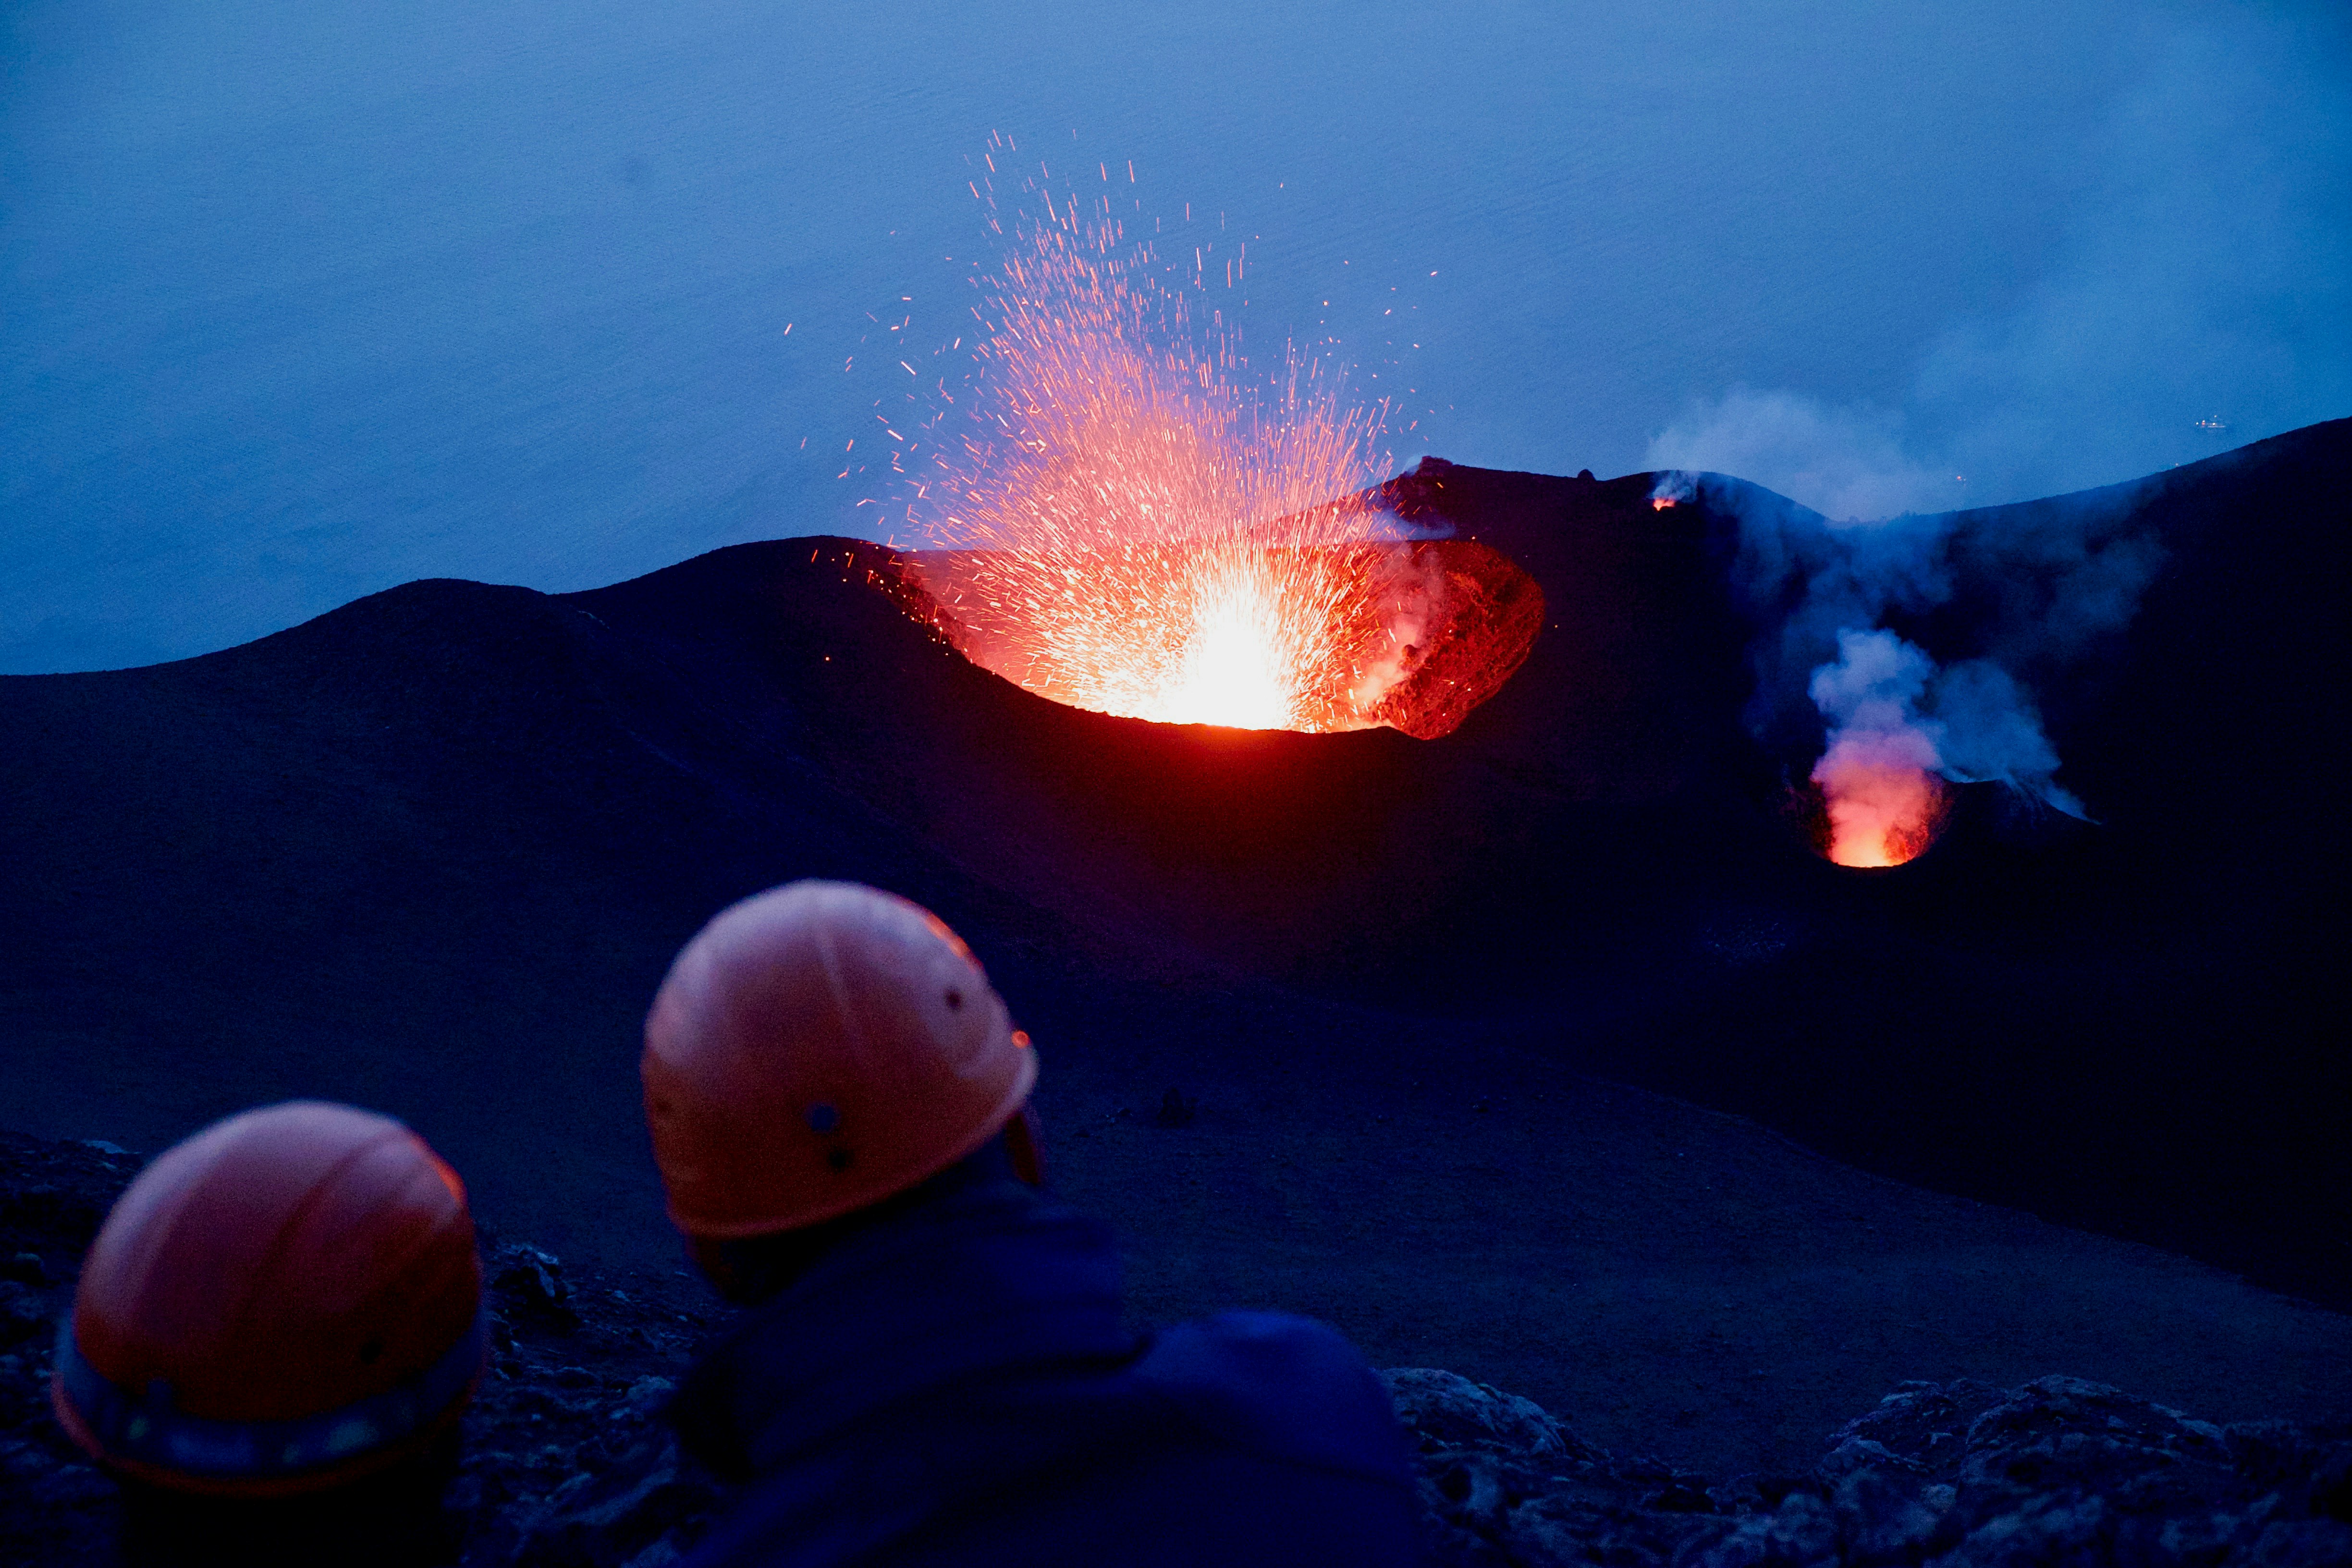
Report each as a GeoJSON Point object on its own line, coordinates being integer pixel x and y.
{"type": "Point", "coordinates": [1287, 1388]}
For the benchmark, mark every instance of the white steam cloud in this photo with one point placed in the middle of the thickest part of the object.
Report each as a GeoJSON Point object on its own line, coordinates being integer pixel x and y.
{"type": "Point", "coordinates": [2014, 597]}
{"type": "Point", "coordinates": [1892, 712]}
{"type": "Point", "coordinates": [2196, 304]}
{"type": "Point", "coordinates": [1842, 463]}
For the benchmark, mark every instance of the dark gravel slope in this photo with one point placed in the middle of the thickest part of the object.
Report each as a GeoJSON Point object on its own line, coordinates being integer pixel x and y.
{"type": "Point", "coordinates": [565, 1463]}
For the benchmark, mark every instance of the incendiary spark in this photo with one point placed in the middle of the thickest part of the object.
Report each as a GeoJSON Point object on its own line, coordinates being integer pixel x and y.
{"type": "Point", "coordinates": [1121, 519]}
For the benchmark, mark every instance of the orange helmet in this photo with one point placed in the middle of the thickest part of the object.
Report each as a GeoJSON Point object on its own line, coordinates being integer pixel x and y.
{"type": "Point", "coordinates": [817, 1049]}
{"type": "Point", "coordinates": [286, 1300]}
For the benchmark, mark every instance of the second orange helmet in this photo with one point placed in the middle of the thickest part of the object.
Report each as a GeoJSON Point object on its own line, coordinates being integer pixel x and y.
{"type": "Point", "coordinates": [287, 1300]}
{"type": "Point", "coordinates": [817, 1049]}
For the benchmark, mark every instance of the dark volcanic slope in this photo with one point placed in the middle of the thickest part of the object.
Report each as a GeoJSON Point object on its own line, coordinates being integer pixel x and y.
{"type": "Point", "coordinates": [432, 851]}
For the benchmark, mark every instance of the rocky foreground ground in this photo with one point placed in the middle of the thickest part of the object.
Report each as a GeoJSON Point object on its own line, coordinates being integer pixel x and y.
{"type": "Point", "coordinates": [567, 1462]}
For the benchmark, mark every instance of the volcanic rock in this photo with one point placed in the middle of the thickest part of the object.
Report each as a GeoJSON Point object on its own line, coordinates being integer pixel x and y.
{"type": "Point", "coordinates": [2056, 1470]}
{"type": "Point", "coordinates": [1175, 1110]}
{"type": "Point", "coordinates": [566, 1463]}
{"type": "Point", "coordinates": [529, 1284]}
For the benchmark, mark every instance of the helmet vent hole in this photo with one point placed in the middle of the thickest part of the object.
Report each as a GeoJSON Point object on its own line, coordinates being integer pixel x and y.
{"type": "Point", "coordinates": [371, 1350]}
{"type": "Point", "coordinates": [837, 1158]}
{"type": "Point", "coordinates": [955, 999]}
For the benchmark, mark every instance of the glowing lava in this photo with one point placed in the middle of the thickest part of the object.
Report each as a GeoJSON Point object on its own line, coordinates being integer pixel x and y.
{"type": "Point", "coordinates": [1879, 775]}
{"type": "Point", "coordinates": [1884, 805]}
{"type": "Point", "coordinates": [1124, 521]}
{"type": "Point", "coordinates": [1235, 670]}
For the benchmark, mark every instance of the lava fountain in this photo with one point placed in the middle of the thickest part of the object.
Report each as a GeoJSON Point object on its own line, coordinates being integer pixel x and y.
{"type": "Point", "coordinates": [1119, 519]}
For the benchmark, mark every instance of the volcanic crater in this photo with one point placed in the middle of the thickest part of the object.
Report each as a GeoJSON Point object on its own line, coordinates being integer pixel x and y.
{"type": "Point", "coordinates": [1425, 630]}
{"type": "Point", "coordinates": [1496, 1043]}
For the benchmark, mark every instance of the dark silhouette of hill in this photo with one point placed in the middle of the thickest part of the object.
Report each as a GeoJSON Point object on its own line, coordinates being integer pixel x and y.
{"type": "Point", "coordinates": [432, 851]}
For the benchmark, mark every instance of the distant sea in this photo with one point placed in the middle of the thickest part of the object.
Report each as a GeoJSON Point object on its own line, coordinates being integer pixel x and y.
{"type": "Point", "coordinates": [301, 299]}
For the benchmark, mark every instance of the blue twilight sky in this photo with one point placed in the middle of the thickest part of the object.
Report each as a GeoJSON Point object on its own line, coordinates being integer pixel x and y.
{"type": "Point", "coordinates": [301, 299]}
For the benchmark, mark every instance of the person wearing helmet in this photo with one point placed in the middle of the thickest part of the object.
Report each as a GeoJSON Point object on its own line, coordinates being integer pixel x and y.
{"type": "Point", "coordinates": [934, 1368]}
{"type": "Point", "coordinates": [272, 1340]}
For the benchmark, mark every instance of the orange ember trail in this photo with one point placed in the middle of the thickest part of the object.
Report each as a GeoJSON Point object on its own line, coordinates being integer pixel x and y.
{"type": "Point", "coordinates": [1127, 524]}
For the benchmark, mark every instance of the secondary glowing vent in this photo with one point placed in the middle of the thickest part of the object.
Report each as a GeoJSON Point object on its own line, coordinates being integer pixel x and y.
{"type": "Point", "coordinates": [1410, 634]}
{"type": "Point", "coordinates": [1880, 780]}
{"type": "Point", "coordinates": [1869, 810]}
{"type": "Point", "coordinates": [1122, 518]}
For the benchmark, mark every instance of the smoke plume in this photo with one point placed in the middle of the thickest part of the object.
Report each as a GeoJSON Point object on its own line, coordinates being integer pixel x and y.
{"type": "Point", "coordinates": [2193, 304]}
{"type": "Point", "coordinates": [2015, 596]}
{"type": "Point", "coordinates": [1846, 463]}
{"type": "Point", "coordinates": [1878, 775]}
{"type": "Point", "coordinates": [1897, 723]}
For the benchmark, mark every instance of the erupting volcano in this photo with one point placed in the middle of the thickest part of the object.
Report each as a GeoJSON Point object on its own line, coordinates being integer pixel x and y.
{"type": "Point", "coordinates": [1124, 523]}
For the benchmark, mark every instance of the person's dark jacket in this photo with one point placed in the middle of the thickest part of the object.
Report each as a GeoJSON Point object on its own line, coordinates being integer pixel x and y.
{"type": "Point", "coordinates": [952, 1383]}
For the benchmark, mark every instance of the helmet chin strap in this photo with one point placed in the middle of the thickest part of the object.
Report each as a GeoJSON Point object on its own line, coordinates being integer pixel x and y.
{"type": "Point", "coordinates": [141, 1431]}
{"type": "Point", "coordinates": [1025, 1143]}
